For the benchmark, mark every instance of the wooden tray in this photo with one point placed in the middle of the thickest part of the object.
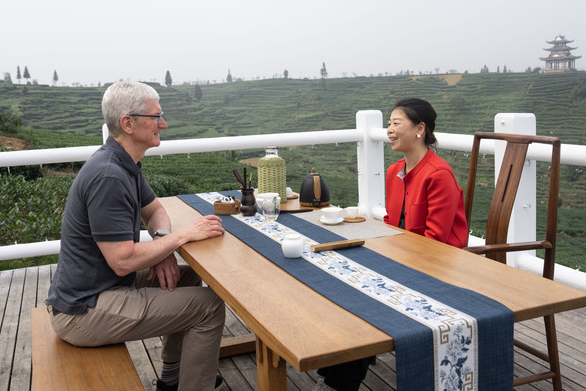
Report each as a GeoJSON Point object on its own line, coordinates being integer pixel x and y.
{"type": "Point", "coordinates": [227, 208]}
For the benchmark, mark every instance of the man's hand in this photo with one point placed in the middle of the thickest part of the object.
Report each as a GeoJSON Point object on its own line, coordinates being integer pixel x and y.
{"type": "Point", "coordinates": [204, 227]}
{"type": "Point", "coordinates": [167, 271]}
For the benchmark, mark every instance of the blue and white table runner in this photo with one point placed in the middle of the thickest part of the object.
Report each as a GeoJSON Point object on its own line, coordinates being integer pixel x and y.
{"type": "Point", "coordinates": [446, 337]}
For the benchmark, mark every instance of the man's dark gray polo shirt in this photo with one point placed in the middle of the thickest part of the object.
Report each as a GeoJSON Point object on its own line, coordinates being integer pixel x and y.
{"type": "Point", "coordinates": [103, 205]}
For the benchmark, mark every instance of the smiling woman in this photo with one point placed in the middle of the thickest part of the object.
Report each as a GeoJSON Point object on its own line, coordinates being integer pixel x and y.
{"type": "Point", "coordinates": [423, 197]}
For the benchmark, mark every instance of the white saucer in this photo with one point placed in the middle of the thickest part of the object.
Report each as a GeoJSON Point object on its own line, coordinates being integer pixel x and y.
{"type": "Point", "coordinates": [340, 219]}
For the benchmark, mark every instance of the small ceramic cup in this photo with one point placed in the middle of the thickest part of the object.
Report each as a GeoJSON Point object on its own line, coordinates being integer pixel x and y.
{"type": "Point", "coordinates": [332, 214]}
{"type": "Point", "coordinates": [352, 212]}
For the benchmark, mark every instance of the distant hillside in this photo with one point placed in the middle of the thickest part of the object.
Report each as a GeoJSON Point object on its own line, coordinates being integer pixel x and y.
{"type": "Point", "coordinates": [465, 104]}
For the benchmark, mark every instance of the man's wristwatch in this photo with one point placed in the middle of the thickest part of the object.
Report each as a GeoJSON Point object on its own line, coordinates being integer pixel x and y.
{"type": "Point", "coordinates": [160, 233]}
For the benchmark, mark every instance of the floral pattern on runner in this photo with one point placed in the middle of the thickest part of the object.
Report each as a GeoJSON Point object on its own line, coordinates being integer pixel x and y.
{"type": "Point", "coordinates": [455, 334]}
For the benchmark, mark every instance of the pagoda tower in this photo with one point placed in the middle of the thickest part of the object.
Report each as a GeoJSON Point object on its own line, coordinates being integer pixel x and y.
{"type": "Point", "coordinates": [560, 59]}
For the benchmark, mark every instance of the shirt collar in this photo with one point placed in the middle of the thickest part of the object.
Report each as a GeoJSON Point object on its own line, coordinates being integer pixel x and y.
{"type": "Point", "coordinates": [123, 156]}
{"type": "Point", "coordinates": [419, 165]}
{"type": "Point", "coordinates": [401, 174]}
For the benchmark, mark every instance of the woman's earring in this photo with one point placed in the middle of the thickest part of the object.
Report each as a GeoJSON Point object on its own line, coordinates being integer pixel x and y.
{"type": "Point", "coordinates": [418, 136]}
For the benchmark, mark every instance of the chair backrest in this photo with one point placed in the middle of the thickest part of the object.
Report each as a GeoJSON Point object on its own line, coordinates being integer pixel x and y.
{"type": "Point", "coordinates": [506, 187]}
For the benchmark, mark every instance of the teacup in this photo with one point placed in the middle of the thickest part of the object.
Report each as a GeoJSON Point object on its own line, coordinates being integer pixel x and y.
{"type": "Point", "coordinates": [262, 196]}
{"type": "Point", "coordinates": [270, 205]}
{"type": "Point", "coordinates": [352, 212]}
{"type": "Point", "coordinates": [332, 214]}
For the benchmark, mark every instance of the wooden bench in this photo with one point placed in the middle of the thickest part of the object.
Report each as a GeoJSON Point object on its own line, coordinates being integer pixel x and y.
{"type": "Point", "coordinates": [58, 365]}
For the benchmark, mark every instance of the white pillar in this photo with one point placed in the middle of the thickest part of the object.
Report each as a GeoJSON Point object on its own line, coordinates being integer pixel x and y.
{"type": "Point", "coordinates": [371, 165]}
{"type": "Point", "coordinates": [104, 133]}
{"type": "Point", "coordinates": [522, 226]}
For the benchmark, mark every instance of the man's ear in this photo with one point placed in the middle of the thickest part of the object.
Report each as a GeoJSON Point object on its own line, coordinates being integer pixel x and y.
{"type": "Point", "coordinates": [126, 124]}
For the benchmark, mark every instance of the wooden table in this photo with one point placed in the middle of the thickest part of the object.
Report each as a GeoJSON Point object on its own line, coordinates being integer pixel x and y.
{"type": "Point", "coordinates": [295, 324]}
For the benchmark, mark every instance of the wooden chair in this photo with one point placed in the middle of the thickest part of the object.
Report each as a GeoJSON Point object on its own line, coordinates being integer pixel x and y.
{"type": "Point", "coordinates": [497, 226]}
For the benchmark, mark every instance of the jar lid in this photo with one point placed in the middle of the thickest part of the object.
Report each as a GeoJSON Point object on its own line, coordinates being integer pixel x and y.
{"type": "Point", "coordinates": [271, 151]}
{"type": "Point", "coordinates": [292, 236]}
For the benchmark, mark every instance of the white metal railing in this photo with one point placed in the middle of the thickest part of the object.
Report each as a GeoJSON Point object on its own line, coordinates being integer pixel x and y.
{"type": "Point", "coordinates": [370, 136]}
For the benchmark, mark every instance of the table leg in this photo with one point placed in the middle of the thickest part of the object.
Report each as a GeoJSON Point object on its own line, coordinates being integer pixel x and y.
{"type": "Point", "coordinates": [270, 368]}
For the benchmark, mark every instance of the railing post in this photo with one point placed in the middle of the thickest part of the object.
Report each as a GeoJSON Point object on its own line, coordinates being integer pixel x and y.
{"type": "Point", "coordinates": [523, 219]}
{"type": "Point", "coordinates": [104, 133]}
{"type": "Point", "coordinates": [371, 165]}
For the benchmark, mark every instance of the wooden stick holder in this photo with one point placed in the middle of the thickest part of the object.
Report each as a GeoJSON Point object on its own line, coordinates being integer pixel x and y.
{"type": "Point", "coordinates": [227, 208]}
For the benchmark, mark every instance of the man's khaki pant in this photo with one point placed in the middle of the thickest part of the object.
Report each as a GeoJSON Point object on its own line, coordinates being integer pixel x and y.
{"type": "Point", "coordinates": [190, 319]}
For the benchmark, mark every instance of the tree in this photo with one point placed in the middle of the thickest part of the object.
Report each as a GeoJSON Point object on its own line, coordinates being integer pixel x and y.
{"type": "Point", "coordinates": [286, 74]}
{"type": "Point", "coordinates": [55, 77]}
{"type": "Point", "coordinates": [324, 74]}
{"type": "Point", "coordinates": [7, 78]}
{"type": "Point", "coordinates": [26, 75]}
{"type": "Point", "coordinates": [229, 77]}
{"type": "Point", "coordinates": [198, 92]}
{"type": "Point", "coordinates": [18, 76]}
{"type": "Point", "coordinates": [168, 80]}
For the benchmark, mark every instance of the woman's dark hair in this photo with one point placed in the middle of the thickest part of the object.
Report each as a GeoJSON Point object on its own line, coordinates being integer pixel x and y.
{"type": "Point", "coordinates": [419, 110]}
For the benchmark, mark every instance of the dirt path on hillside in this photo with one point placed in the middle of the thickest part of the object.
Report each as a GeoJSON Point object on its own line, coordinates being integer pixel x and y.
{"type": "Point", "coordinates": [450, 80]}
{"type": "Point", "coordinates": [12, 143]}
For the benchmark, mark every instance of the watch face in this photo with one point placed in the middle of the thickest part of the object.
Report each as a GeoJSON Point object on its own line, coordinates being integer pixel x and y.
{"type": "Point", "coordinates": [161, 232]}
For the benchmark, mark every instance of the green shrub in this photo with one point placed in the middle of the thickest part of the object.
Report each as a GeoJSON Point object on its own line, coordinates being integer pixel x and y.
{"type": "Point", "coordinates": [9, 122]}
{"type": "Point", "coordinates": [165, 185]}
{"type": "Point", "coordinates": [31, 211]}
{"type": "Point", "coordinates": [27, 172]}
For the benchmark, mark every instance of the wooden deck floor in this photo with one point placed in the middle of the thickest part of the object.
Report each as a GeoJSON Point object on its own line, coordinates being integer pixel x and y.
{"type": "Point", "coordinates": [23, 289]}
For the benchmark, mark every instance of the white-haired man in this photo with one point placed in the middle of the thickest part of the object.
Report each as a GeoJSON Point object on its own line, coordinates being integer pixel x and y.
{"type": "Point", "coordinates": [109, 287]}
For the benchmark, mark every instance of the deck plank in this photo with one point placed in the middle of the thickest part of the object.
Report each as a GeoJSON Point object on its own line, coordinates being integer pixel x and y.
{"type": "Point", "coordinates": [142, 363]}
{"type": "Point", "coordinates": [45, 276]}
{"type": "Point", "coordinates": [5, 366]}
{"type": "Point", "coordinates": [21, 367]}
{"type": "Point", "coordinates": [9, 330]}
{"type": "Point", "coordinates": [23, 289]}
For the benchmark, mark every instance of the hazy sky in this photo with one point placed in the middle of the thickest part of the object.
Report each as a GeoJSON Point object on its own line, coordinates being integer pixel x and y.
{"type": "Point", "coordinates": [91, 42]}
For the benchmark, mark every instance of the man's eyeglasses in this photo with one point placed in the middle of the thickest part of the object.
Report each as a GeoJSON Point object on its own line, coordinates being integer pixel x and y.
{"type": "Point", "coordinates": [158, 117]}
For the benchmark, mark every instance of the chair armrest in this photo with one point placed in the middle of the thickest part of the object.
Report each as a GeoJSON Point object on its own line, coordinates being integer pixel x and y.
{"type": "Point", "coordinates": [508, 247]}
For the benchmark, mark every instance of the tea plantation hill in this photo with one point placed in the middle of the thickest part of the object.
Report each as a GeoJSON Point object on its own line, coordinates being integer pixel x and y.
{"type": "Point", "coordinates": [465, 103]}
